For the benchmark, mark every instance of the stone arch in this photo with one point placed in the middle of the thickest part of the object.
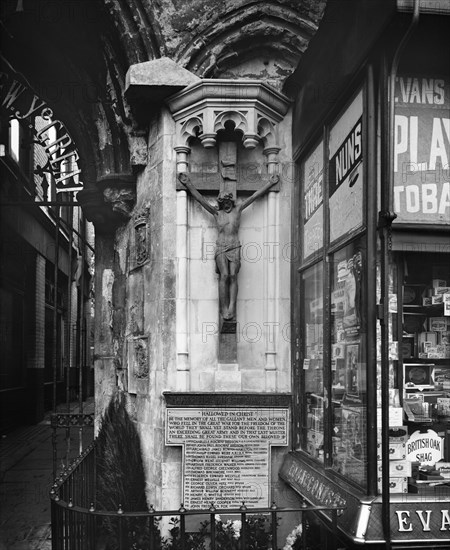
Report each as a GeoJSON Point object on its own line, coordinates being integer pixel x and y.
{"type": "Point", "coordinates": [238, 118]}
{"type": "Point", "coordinates": [77, 66]}
{"type": "Point", "coordinates": [273, 32]}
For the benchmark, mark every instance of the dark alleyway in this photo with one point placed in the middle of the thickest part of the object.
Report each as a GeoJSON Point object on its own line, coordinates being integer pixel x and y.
{"type": "Point", "coordinates": [25, 480]}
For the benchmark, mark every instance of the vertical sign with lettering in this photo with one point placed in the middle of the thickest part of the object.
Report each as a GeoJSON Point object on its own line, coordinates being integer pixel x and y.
{"type": "Point", "coordinates": [226, 457]}
{"type": "Point", "coordinates": [313, 202]}
{"type": "Point", "coordinates": [422, 150]}
{"type": "Point", "coordinates": [346, 171]}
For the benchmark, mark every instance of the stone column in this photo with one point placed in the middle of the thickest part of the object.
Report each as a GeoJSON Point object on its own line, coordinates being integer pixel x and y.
{"type": "Point", "coordinates": [182, 306]}
{"type": "Point", "coordinates": [105, 375]}
{"type": "Point", "coordinates": [271, 316]}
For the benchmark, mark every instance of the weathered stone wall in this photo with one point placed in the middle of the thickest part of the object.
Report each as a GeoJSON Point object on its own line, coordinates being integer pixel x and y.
{"type": "Point", "coordinates": [139, 269]}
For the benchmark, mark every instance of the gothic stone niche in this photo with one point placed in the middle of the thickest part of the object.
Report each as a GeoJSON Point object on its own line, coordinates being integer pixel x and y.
{"type": "Point", "coordinates": [138, 364]}
{"type": "Point", "coordinates": [236, 123]}
{"type": "Point", "coordinates": [141, 238]}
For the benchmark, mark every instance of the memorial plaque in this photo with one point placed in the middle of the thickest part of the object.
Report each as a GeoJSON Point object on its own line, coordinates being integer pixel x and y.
{"type": "Point", "coordinates": [226, 457]}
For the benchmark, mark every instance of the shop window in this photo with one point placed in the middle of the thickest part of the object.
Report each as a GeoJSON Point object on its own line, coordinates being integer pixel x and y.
{"type": "Point", "coordinates": [313, 372]}
{"type": "Point", "coordinates": [19, 145]}
{"type": "Point", "coordinates": [332, 381]}
{"type": "Point", "coordinates": [348, 364]}
{"type": "Point", "coordinates": [422, 376]}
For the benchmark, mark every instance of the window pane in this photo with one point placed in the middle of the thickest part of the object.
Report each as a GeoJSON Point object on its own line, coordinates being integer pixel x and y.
{"type": "Point", "coordinates": [313, 425]}
{"type": "Point", "coordinates": [348, 364]}
{"type": "Point", "coordinates": [14, 139]}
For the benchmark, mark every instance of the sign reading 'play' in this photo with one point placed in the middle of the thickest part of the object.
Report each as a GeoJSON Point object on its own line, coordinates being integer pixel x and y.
{"type": "Point", "coordinates": [226, 453]}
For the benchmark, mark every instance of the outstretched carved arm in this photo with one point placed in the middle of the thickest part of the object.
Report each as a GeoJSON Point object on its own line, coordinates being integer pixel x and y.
{"type": "Point", "coordinates": [272, 181]}
{"type": "Point", "coordinates": [184, 180]}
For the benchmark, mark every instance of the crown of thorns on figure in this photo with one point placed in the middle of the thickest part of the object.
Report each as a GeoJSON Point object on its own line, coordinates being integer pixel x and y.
{"type": "Point", "coordinates": [224, 197]}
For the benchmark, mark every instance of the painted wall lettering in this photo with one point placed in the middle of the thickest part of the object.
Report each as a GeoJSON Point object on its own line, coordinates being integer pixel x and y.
{"type": "Point", "coordinates": [313, 202]}
{"type": "Point", "coordinates": [422, 150]}
{"type": "Point", "coordinates": [346, 173]}
{"type": "Point", "coordinates": [422, 520]}
{"type": "Point", "coordinates": [349, 154]}
{"type": "Point", "coordinates": [403, 520]}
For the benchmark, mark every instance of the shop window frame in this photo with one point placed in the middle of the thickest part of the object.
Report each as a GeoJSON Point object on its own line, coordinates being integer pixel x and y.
{"type": "Point", "coordinates": [364, 85]}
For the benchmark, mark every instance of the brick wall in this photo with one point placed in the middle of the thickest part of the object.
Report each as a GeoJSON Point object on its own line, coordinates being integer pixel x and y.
{"type": "Point", "coordinates": [40, 313]}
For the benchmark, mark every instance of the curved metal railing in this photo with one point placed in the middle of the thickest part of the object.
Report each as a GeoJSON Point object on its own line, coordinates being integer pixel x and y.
{"type": "Point", "coordinates": [76, 523]}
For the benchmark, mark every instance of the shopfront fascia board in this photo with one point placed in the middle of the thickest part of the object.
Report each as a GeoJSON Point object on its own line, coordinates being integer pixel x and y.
{"type": "Point", "coordinates": [412, 518]}
{"type": "Point", "coordinates": [346, 35]}
{"type": "Point", "coordinates": [314, 486]}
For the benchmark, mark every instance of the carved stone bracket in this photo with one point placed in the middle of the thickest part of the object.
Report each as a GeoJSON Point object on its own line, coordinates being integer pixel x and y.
{"type": "Point", "coordinates": [111, 203]}
{"type": "Point", "coordinates": [204, 108]}
{"type": "Point", "coordinates": [119, 190]}
{"type": "Point", "coordinates": [138, 364]}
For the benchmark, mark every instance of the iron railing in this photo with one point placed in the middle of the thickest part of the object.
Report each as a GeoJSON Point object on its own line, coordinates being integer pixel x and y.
{"type": "Point", "coordinates": [76, 524]}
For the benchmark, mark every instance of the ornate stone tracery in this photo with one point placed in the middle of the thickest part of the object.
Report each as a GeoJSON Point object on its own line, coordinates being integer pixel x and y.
{"type": "Point", "coordinates": [204, 109]}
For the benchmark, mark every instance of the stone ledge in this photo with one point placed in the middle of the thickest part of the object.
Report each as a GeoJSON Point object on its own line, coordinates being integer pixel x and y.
{"type": "Point", "coordinates": [225, 399]}
{"type": "Point", "coordinates": [155, 80]}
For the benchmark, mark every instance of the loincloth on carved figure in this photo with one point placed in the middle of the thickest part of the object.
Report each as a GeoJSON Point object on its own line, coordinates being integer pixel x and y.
{"type": "Point", "coordinates": [232, 253]}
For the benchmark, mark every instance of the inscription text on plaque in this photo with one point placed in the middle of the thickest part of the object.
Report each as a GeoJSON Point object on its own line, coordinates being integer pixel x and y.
{"type": "Point", "coordinates": [226, 453]}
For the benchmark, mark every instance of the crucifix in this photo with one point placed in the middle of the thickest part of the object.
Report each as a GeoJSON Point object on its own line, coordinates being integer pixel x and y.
{"type": "Point", "coordinates": [227, 214]}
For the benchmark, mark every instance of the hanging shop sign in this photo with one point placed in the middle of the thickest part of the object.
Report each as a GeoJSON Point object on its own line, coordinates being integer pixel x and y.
{"type": "Point", "coordinates": [313, 202]}
{"type": "Point", "coordinates": [22, 104]}
{"type": "Point", "coordinates": [346, 171]}
{"type": "Point", "coordinates": [422, 150]}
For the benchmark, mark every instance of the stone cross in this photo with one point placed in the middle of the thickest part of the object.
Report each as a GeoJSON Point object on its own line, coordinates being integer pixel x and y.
{"type": "Point", "coordinates": [227, 254]}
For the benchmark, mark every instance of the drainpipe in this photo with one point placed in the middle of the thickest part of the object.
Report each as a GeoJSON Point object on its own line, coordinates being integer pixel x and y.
{"type": "Point", "coordinates": [386, 217]}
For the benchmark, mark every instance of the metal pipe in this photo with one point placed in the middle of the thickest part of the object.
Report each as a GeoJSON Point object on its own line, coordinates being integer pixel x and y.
{"type": "Point", "coordinates": [243, 527]}
{"type": "Point", "coordinates": [213, 531]}
{"type": "Point", "coordinates": [274, 526]}
{"type": "Point", "coordinates": [69, 328]}
{"type": "Point", "coordinates": [370, 271]}
{"type": "Point", "coordinates": [81, 332]}
{"type": "Point", "coordinates": [38, 203]}
{"type": "Point", "coordinates": [182, 528]}
{"type": "Point", "coordinates": [55, 309]}
{"type": "Point", "coordinates": [385, 226]}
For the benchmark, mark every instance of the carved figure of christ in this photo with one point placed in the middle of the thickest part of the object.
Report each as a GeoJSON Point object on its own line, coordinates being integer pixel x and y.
{"type": "Point", "coordinates": [228, 248]}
